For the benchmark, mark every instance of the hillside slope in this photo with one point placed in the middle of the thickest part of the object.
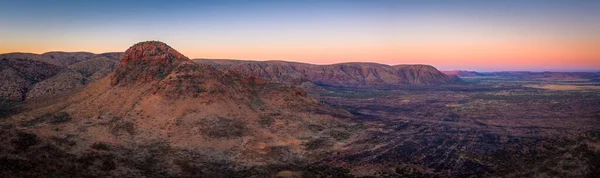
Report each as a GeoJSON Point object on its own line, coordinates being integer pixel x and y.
{"type": "Point", "coordinates": [26, 76]}
{"type": "Point", "coordinates": [163, 111]}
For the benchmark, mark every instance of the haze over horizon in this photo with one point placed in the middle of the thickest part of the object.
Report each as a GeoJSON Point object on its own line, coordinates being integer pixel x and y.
{"type": "Point", "coordinates": [462, 35]}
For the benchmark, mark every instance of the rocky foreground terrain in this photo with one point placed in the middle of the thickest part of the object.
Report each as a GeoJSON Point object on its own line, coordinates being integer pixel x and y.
{"type": "Point", "coordinates": [153, 112]}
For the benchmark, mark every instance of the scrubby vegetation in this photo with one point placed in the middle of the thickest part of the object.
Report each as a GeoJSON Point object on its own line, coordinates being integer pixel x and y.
{"type": "Point", "coordinates": [221, 127]}
{"type": "Point", "coordinates": [8, 108]}
{"type": "Point", "coordinates": [101, 146]}
{"type": "Point", "coordinates": [486, 127]}
{"type": "Point", "coordinates": [51, 118]}
{"type": "Point", "coordinates": [265, 121]}
{"type": "Point", "coordinates": [317, 144]}
{"type": "Point", "coordinates": [120, 126]}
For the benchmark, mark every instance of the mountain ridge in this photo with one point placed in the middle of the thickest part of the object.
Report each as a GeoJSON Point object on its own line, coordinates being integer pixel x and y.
{"type": "Point", "coordinates": [77, 69]}
{"type": "Point", "coordinates": [352, 74]}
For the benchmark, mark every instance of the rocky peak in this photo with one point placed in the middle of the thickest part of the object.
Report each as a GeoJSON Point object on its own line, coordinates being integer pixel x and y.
{"type": "Point", "coordinates": [147, 62]}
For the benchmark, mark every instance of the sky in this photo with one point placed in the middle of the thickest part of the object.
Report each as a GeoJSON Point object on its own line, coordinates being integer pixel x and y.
{"type": "Point", "coordinates": [536, 35]}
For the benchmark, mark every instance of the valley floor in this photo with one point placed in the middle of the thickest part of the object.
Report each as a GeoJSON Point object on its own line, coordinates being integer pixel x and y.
{"type": "Point", "coordinates": [488, 127]}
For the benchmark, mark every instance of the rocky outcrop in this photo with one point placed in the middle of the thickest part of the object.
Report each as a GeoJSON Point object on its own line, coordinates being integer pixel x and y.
{"type": "Point", "coordinates": [146, 62]}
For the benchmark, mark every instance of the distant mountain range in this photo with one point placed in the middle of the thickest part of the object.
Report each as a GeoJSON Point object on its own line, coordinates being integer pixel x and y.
{"type": "Point", "coordinates": [27, 76]}
{"type": "Point", "coordinates": [527, 75]}
{"type": "Point", "coordinates": [342, 74]}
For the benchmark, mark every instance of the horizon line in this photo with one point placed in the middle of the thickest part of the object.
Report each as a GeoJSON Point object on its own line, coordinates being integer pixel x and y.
{"type": "Point", "coordinates": [302, 62]}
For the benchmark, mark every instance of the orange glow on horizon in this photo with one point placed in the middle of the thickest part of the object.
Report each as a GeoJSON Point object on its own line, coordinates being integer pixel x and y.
{"type": "Point", "coordinates": [506, 54]}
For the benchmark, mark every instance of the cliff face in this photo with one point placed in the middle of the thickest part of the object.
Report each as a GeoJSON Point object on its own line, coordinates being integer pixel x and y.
{"type": "Point", "coordinates": [343, 74]}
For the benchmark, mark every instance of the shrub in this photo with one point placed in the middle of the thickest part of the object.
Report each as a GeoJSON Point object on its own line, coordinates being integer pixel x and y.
{"type": "Point", "coordinates": [265, 121]}
{"type": "Point", "coordinates": [339, 135]}
{"type": "Point", "coordinates": [122, 126]}
{"type": "Point", "coordinates": [101, 146]}
{"type": "Point", "coordinates": [221, 127]}
{"type": "Point", "coordinates": [316, 144]}
{"type": "Point", "coordinates": [108, 164]}
{"type": "Point", "coordinates": [52, 118]}
{"type": "Point", "coordinates": [25, 140]}
{"type": "Point", "coordinates": [60, 117]}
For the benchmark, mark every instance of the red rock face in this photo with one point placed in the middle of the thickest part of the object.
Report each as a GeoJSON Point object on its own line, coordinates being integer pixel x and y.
{"type": "Point", "coordinates": [146, 62]}
{"type": "Point", "coordinates": [343, 74]}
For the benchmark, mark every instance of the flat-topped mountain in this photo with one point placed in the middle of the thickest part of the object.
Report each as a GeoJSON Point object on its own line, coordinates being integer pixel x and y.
{"type": "Point", "coordinates": [147, 62]}
{"type": "Point", "coordinates": [343, 74]}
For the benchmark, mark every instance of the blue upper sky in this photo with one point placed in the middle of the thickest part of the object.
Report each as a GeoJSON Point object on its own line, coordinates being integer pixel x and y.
{"type": "Point", "coordinates": [475, 34]}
